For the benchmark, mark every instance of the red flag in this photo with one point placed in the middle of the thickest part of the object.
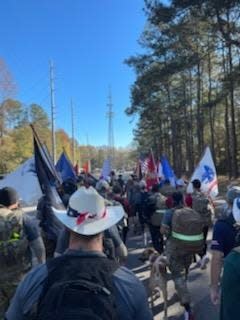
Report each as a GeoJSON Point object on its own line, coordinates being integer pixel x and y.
{"type": "Point", "coordinates": [151, 172]}
{"type": "Point", "coordinates": [87, 167]}
{"type": "Point", "coordinates": [76, 168]}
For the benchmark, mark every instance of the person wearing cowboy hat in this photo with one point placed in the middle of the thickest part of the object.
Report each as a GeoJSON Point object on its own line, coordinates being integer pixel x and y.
{"type": "Point", "coordinates": [83, 265]}
{"type": "Point", "coordinates": [231, 277]}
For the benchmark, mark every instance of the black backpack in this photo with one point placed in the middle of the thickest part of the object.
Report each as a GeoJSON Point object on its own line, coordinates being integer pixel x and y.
{"type": "Point", "coordinates": [78, 288]}
{"type": "Point", "coordinates": [149, 205]}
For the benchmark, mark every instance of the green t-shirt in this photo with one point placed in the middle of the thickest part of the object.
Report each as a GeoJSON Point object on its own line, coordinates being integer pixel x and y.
{"type": "Point", "coordinates": [230, 306]}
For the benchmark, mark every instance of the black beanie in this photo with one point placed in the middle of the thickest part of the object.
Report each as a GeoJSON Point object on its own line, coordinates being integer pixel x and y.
{"type": "Point", "coordinates": [8, 196]}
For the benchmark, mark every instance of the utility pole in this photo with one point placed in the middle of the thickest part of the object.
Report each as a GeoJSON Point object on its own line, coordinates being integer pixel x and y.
{"type": "Point", "coordinates": [53, 112]}
{"type": "Point", "coordinates": [73, 144]}
{"type": "Point", "coordinates": [110, 115]}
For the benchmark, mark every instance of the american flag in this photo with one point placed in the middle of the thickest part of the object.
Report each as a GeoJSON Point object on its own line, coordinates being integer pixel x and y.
{"type": "Point", "coordinates": [150, 171]}
{"type": "Point", "coordinates": [145, 164]}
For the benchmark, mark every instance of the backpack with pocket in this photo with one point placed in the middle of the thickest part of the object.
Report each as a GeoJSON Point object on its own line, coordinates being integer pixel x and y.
{"type": "Point", "coordinates": [187, 226]}
{"type": "Point", "coordinates": [13, 242]}
{"type": "Point", "coordinates": [201, 204]}
{"type": "Point", "coordinates": [78, 287]}
{"type": "Point", "coordinates": [156, 208]}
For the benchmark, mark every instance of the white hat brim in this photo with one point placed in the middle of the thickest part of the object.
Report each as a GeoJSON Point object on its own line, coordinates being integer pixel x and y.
{"type": "Point", "coordinates": [236, 211]}
{"type": "Point", "coordinates": [90, 227]}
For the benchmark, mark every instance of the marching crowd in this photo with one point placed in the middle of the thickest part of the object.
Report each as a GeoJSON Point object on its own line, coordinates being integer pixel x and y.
{"type": "Point", "coordinates": [69, 264]}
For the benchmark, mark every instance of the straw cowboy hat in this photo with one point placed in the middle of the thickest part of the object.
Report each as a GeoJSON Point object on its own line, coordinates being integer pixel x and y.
{"type": "Point", "coordinates": [87, 213]}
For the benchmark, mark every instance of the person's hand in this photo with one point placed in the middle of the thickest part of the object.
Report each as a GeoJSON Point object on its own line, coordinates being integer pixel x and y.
{"type": "Point", "coordinates": [215, 295]}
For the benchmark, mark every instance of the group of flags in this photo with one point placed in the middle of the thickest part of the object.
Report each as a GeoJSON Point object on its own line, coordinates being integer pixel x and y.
{"type": "Point", "coordinates": [38, 175]}
{"type": "Point", "coordinates": [161, 171]}
{"type": "Point", "coordinates": [155, 171]}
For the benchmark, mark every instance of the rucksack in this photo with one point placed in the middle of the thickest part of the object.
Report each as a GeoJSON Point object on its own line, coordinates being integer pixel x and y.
{"type": "Point", "coordinates": [155, 208]}
{"type": "Point", "coordinates": [187, 226]}
{"type": "Point", "coordinates": [78, 288]}
{"type": "Point", "coordinates": [13, 242]}
{"type": "Point", "coordinates": [201, 204]}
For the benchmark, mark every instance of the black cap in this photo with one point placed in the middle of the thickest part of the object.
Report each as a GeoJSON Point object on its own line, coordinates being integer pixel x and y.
{"type": "Point", "coordinates": [177, 198]}
{"type": "Point", "coordinates": [196, 184]}
{"type": "Point", "coordinates": [8, 196]}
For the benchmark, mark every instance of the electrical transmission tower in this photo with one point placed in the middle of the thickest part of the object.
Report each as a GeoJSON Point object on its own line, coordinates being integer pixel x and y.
{"type": "Point", "coordinates": [53, 112]}
{"type": "Point", "coordinates": [110, 128]}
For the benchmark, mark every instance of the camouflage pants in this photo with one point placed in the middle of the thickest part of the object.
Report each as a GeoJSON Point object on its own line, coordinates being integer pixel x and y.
{"type": "Point", "coordinates": [8, 286]}
{"type": "Point", "coordinates": [178, 263]}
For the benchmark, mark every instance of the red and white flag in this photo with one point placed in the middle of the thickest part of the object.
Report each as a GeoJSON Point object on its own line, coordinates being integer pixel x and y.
{"type": "Point", "coordinates": [151, 174]}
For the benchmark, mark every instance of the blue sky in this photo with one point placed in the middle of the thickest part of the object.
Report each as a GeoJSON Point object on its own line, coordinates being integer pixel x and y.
{"type": "Point", "coordinates": [88, 41]}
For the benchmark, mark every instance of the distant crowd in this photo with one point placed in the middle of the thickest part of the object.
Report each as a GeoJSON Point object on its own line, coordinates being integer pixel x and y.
{"type": "Point", "coordinates": [72, 259]}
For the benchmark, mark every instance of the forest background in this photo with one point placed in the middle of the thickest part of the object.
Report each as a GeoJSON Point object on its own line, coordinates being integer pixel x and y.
{"type": "Point", "coordinates": [186, 93]}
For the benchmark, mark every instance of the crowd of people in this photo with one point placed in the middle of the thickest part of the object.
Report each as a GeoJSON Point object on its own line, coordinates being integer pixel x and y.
{"type": "Point", "coordinates": [73, 260]}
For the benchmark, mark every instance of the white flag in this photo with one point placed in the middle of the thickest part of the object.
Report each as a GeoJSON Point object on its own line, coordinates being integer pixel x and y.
{"type": "Point", "coordinates": [160, 171]}
{"type": "Point", "coordinates": [25, 181]}
{"type": "Point", "coordinates": [206, 173]}
{"type": "Point", "coordinates": [106, 169]}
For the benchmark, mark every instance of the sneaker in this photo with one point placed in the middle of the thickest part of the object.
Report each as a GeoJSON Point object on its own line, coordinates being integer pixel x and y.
{"type": "Point", "coordinates": [204, 262]}
{"type": "Point", "coordinates": [198, 264]}
{"type": "Point", "coordinates": [188, 315]}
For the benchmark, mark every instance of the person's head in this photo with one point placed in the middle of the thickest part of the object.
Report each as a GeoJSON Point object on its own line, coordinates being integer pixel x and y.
{"type": "Point", "coordinates": [116, 189]}
{"type": "Point", "coordinates": [166, 182]}
{"type": "Point", "coordinates": [196, 184]}
{"type": "Point", "coordinates": [177, 198]}
{"type": "Point", "coordinates": [69, 186]}
{"type": "Point", "coordinates": [103, 186]}
{"type": "Point", "coordinates": [87, 217]}
{"type": "Point", "coordinates": [142, 185]}
{"type": "Point", "coordinates": [155, 188]}
{"type": "Point", "coordinates": [112, 173]}
{"type": "Point", "coordinates": [232, 193]}
{"type": "Point", "coordinates": [9, 198]}
{"type": "Point", "coordinates": [120, 176]}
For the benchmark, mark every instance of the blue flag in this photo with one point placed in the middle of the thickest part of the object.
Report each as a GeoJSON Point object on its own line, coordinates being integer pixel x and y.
{"type": "Point", "coordinates": [65, 168]}
{"type": "Point", "coordinates": [168, 171]}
